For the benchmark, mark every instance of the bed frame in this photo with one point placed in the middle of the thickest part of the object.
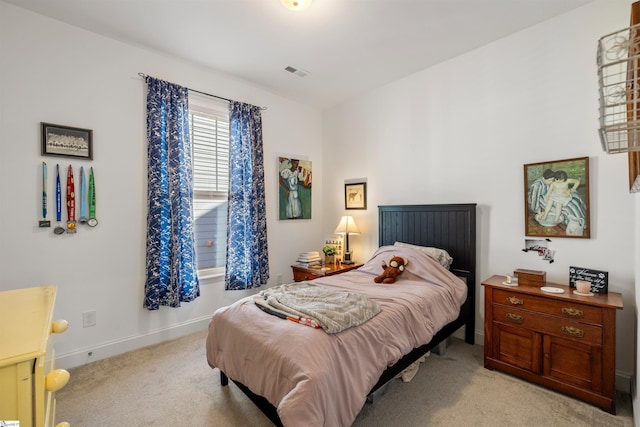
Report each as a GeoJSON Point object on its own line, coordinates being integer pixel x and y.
{"type": "Point", "coordinates": [451, 227]}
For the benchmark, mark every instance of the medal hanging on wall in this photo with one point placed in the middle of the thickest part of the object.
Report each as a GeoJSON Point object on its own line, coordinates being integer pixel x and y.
{"type": "Point", "coordinates": [71, 202]}
{"type": "Point", "coordinates": [44, 223]}
{"type": "Point", "coordinates": [92, 221]}
{"type": "Point", "coordinates": [82, 197]}
{"type": "Point", "coordinates": [58, 229]}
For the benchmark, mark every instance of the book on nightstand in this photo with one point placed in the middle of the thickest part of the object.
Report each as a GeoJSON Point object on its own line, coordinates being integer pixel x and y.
{"type": "Point", "coordinates": [309, 259]}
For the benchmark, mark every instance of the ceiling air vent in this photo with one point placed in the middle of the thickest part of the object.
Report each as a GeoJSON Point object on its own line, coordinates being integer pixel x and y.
{"type": "Point", "coordinates": [297, 71]}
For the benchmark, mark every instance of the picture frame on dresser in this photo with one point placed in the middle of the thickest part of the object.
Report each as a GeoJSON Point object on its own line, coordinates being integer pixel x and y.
{"type": "Point", "coordinates": [556, 198]}
{"type": "Point", "coordinates": [598, 279]}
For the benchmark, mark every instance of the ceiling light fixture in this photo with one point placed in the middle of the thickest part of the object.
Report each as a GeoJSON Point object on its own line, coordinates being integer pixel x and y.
{"type": "Point", "coordinates": [296, 5]}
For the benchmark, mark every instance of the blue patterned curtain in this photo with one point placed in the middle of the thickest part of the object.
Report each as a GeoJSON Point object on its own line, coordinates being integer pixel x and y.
{"type": "Point", "coordinates": [247, 263]}
{"type": "Point", "coordinates": [171, 268]}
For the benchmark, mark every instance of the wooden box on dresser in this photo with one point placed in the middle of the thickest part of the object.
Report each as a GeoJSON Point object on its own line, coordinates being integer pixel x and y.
{"type": "Point", "coordinates": [562, 341]}
{"type": "Point", "coordinates": [28, 380]}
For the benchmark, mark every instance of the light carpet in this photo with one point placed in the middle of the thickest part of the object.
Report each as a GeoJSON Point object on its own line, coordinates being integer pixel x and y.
{"type": "Point", "coordinates": [170, 384]}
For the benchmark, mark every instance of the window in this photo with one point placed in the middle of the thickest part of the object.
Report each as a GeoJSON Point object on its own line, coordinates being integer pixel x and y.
{"type": "Point", "coordinates": [209, 131]}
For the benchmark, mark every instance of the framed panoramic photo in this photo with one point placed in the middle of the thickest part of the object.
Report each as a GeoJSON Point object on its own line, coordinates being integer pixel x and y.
{"type": "Point", "coordinates": [65, 141]}
{"type": "Point", "coordinates": [556, 200]}
{"type": "Point", "coordinates": [355, 195]}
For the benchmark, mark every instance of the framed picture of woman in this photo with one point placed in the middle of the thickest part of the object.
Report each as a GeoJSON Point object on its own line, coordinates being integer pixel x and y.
{"type": "Point", "coordinates": [294, 177]}
{"type": "Point", "coordinates": [556, 199]}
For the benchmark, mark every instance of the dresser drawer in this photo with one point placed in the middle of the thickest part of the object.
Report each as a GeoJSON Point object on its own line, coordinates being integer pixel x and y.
{"type": "Point", "coordinates": [301, 276]}
{"type": "Point", "coordinates": [565, 309]}
{"type": "Point", "coordinates": [16, 392]}
{"type": "Point", "coordinates": [549, 325]}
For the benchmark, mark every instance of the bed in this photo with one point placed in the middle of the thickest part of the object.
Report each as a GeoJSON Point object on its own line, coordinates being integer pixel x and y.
{"type": "Point", "coordinates": [320, 388]}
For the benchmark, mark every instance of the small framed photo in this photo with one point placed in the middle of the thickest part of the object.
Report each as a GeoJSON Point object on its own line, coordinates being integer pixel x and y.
{"type": "Point", "coordinates": [355, 195]}
{"type": "Point", "coordinates": [66, 141]}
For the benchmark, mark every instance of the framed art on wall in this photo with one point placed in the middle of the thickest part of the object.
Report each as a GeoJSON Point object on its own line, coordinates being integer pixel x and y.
{"type": "Point", "coordinates": [294, 197]}
{"type": "Point", "coordinates": [557, 198]}
{"type": "Point", "coordinates": [355, 195]}
{"type": "Point", "coordinates": [66, 141]}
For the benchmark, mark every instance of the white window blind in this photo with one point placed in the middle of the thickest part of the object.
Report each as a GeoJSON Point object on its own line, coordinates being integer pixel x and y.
{"type": "Point", "coordinates": [209, 131]}
{"type": "Point", "coordinates": [210, 140]}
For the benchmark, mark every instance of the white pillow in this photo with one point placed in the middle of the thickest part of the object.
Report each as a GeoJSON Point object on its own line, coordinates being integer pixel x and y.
{"type": "Point", "coordinates": [438, 254]}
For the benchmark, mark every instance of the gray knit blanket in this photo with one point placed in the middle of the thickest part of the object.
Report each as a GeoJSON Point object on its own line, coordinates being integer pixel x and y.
{"type": "Point", "coordinates": [334, 311]}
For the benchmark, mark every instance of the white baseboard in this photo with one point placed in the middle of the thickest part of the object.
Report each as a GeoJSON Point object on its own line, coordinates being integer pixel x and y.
{"type": "Point", "coordinates": [478, 336]}
{"type": "Point", "coordinates": [623, 382]}
{"type": "Point", "coordinates": [635, 404]}
{"type": "Point", "coordinates": [114, 348]}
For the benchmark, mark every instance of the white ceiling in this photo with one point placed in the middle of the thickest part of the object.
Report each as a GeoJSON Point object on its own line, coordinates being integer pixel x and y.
{"type": "Point", "coordinates": [347, 46]}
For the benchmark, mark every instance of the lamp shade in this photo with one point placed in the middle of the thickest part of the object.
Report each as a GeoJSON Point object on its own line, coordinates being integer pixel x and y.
{"type": "Point", "coordinates": [347, 226]}
{"type": "Point", "coordinates": [296, 4]}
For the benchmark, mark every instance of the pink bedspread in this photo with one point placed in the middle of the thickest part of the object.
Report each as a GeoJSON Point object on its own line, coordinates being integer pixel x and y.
{"type": "Point", "coordinates": [319, 379]}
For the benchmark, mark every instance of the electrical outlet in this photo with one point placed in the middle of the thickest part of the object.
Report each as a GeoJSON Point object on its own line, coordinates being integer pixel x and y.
{"type": "Point", "coordinates": [278, 279]}
{"type": "Point", "coordinates": [88, 318]}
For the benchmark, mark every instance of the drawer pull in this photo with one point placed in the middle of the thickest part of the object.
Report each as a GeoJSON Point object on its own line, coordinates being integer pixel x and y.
{"type": "Point", "coordinates": [63, 424]}
{"type": "Point", "coordinates": [59, 326]}
{"type": "Point", "coordinates": [573, 312]}
{"type": "Point", "coordinates": [573, 331]}
{"type": "Point", "coordinates": [55, 380]}
{"type": "Point", "coordinates": [515, 301]}
{"type": "Point", "coordinates": [516, 318]}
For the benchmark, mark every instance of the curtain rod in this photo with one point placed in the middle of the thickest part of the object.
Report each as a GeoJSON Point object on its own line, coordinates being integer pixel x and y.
{"type": "Point", "coordinates": [144, 76]}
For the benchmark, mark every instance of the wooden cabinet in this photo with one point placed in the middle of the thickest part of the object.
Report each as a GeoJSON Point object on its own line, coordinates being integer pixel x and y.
{"type": "Point", "coordinates": [562, 341]}
{"type": "Point", "coordinates": [28, 380]}
{"type": "Point", "coordinates": [303, 273]}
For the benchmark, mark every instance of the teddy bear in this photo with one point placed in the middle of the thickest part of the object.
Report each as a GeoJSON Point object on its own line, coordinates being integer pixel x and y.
{"type": "Point", "coordinates": [391, 271]}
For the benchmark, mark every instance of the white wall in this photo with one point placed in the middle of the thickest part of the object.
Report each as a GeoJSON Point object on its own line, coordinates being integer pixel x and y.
{"type": "Point", "coordinates": [461, 132]}
{"type": "Point", "coordinates": [53, 72]}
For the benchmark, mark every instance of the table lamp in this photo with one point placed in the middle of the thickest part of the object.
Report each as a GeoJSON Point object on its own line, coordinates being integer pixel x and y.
{"type": "Point", "coordinates": [347, 226]}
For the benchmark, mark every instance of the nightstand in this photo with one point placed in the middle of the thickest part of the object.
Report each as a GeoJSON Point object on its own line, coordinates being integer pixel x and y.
{"type": "Point", "coordinates": [304, 273]}
{"type": "Point", "coordinates": [562, 341]}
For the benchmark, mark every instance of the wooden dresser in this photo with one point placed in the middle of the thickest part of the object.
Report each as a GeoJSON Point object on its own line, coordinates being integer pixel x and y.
{"type": "Point", "coordinates": [562, 341]}
{"type": "Point", "coordinates": [28, 379]}
{"type": "Point", "coordinates": [304, 273]}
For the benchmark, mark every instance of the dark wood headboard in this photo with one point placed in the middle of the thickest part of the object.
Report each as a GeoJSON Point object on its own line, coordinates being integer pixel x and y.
{"type": "Point", "coordinates": [451, 227]}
